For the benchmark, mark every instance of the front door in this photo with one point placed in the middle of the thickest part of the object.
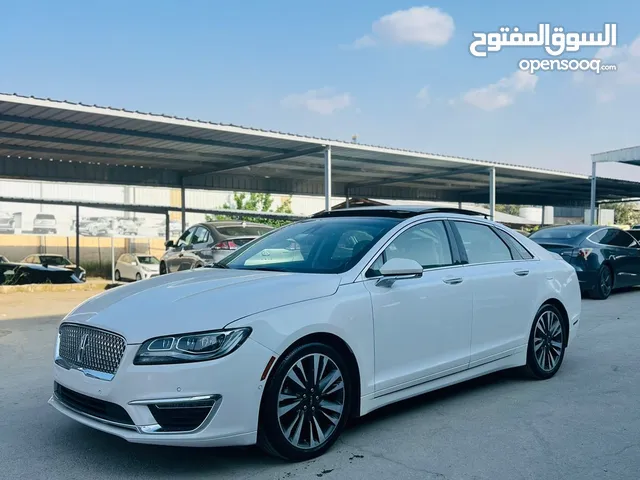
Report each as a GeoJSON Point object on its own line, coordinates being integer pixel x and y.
{"type": "Point", "coordinates": [177, 261]}
{"type": "Point", "coordinates": [422, 325]}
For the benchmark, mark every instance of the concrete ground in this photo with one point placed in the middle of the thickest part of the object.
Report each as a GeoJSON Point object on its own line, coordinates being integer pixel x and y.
{"type": "Point", "coordinates": [582, 424]}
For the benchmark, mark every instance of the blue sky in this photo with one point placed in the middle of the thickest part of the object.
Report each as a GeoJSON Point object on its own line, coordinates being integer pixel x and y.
{"type": "Point", "coordinates": [289, 66]}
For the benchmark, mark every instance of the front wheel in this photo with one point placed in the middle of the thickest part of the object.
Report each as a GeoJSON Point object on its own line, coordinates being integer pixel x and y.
{"type": "Point", "coordinates": [138, 277]}
{"type": "Point", "coordinates": [163, 268]}
{"type": "Point", "coordinates": [117, 276]}
{"type": "Point", "coordinates": [547, 343]}
{"type": "Point", "coordinates": [306, 403]}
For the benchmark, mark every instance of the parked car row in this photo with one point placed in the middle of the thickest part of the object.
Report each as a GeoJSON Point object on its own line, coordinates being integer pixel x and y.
{"type": "Point", "coordinates": [605, 258]}
{"type": "Point", "coordinates": [40, 268]}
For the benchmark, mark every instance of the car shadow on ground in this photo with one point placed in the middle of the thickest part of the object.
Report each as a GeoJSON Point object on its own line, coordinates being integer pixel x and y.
{"type": "Point", "coordinates": [111, 454]}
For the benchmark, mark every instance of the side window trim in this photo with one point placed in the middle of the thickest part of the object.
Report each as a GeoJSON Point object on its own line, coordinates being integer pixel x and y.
{"type": "Point", "coordinates": [456, 258]}
{"type": "Point", "coordinates": [492, 229]}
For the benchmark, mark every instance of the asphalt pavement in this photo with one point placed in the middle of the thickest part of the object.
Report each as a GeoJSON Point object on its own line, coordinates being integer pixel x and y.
{"type": "Point", "coordinates": [582, 424]}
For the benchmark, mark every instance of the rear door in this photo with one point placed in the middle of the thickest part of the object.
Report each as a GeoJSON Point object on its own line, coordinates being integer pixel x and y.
{"type": "Point", "coordinates": [504, 277]}
{"type": "Point", "coordinates": [623, 253]}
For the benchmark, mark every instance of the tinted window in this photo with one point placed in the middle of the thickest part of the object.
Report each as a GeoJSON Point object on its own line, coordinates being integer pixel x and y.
{"type": "Point", "coordinates": [617, 238]}
{"type": "Point", "coordinates": [482, 244]}
{"type": "Point", "coordinates": [558, 233]}
{"type": "Point", "coordinates": [598, 236]}
{"type": "Point", "coordinates": [320, 245]}
{"type": "Point", "coordinates": [45, 216]}
{"type": "Point", "coordinates": [635, 234]}
{"type": "Point", "coordinates": [53, 260]}
{"type": "Point", "coordinates": [240, 231]}
{"type": "Point", "coordinates": [201, 235]}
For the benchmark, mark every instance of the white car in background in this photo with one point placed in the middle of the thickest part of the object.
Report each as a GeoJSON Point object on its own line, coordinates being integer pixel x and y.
{"type": "Point", "coordinates": [131, 266]}
{"type": "Point", "coordinates": [356, 309]}
{"type": "Point", "coordinates": [45, 223]}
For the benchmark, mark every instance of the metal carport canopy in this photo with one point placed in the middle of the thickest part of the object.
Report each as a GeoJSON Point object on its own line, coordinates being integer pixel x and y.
{"type": "Point", "coordinates": [629, 156]}
{"type": "Point", "coordinates": [48, 140]}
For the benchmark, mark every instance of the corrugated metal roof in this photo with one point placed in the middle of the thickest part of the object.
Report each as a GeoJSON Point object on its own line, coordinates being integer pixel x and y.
{"type": "Point", "coordinates": [40, 133]}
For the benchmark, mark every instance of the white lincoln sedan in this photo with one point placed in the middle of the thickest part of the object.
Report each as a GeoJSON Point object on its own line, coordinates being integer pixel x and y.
{"type": "Point", "coordinates": [323, 320]}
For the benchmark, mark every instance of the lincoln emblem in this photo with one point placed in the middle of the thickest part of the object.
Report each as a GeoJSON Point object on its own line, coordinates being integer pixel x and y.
{"type": "Point", "coordinates": [83, 343]}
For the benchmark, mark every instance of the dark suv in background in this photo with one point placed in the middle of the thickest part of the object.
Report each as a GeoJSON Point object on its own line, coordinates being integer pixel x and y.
{"type": "Point", "coordinates": [208, 242]}
{"type": "Point", "coordinates": [605, 258]}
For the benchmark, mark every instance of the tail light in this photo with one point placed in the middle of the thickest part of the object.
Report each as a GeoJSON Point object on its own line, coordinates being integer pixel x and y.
{"type": "Point", "coordinates": [584, 252]}
{"type": "Point", "coordinates": [225, 245]}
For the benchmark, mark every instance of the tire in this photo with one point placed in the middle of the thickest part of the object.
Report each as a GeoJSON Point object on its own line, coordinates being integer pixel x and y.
{"type": "Point", "coordinates": [163, 268]}
{"type": "Point", "coordinates": [604, 284]}
{"type": "Point", "coordinates": [116, 275]}
{"type": "Point", "coordinates": [285, 428]}
{"type": "Point", "coordinates": [138, 277]}
{"type": "Point", "coordinates": [544, 347]}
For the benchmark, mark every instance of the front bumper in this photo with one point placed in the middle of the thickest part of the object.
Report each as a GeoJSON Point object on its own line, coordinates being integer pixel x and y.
{"type": "Point", "coordinates": [232, 383]}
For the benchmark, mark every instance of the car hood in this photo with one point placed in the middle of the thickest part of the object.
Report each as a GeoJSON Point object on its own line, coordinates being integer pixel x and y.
{"type": "Point", "coordinates": [196, 300]}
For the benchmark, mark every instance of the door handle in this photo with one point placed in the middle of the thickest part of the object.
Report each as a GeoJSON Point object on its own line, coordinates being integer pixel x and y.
{"type": "Point", "coordinates": [452, 280]}
{"type": "Point", "coordinates": [521, 273]}
{"type": "Point", "coordinates": [181, 255]}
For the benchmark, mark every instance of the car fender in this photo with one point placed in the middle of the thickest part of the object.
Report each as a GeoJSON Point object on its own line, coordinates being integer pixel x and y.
{"type": "Point", "coordinates": [346, 315]}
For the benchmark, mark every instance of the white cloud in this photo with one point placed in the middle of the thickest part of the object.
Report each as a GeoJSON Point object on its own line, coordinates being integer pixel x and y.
{"type": "Point", "coordinates": [502, 93]}
{"type": "Point", "coordinates": [425, 26]}
{"type": "Point", "coordinates": [423, 96]}
{"type": "Point", "coordinates": [324, 101]}
{"type": "Point", "coordinates": [607, 85]}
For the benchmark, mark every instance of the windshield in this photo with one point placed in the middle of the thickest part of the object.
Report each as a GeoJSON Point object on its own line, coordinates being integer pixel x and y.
{"type": "Point", "coordinates": [148, 260]}
{"type": "Point", "coordinates": [558, 233]}
{"type": "Point", "coordinates": [240, 231]}
{"type": "Point", "coordinates": [324, 245]}
{"type": "Point", "coordinates": [52, 260]}
{"type": "Point", "coordinates": [45, 216]}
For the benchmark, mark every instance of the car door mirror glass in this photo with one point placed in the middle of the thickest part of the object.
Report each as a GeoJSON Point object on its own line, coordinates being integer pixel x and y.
{"type": "Point", "coordinates": [400, 267]}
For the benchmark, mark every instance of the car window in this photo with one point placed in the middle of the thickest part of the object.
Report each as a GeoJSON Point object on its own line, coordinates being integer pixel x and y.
{"type": "Point", "coordinates": [617, 238]}
{"type": "Point", "coordinates": [634, 233]}
{"type": "Point", "coordinates": [598, 236]}
{"type": "Point", "coordinates": [148, 260]}
{"type": "Point", "coordinates": [186, 237]}
{"type": "Point", "coordinates": [240, 231]}
{"type": "Point", "coordinates": [482, 244]}
{"type": "Point", "coordinates": [427, 243]}
{"type": "Point", "coordinates": [313, 246]}
{"type": "Point", "coordinates": [201, 235]}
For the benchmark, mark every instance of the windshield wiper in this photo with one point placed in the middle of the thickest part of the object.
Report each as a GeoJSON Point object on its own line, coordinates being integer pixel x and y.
{"type": "Point", "coordinates": [216, 265]}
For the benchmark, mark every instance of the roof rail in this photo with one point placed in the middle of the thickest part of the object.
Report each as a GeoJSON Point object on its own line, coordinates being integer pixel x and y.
{"type": "Point", "coordinates": [394, 211]}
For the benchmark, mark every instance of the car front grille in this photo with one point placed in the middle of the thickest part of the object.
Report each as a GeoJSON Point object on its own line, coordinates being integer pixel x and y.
{"type": "Point", "coordinates": [91, 348]}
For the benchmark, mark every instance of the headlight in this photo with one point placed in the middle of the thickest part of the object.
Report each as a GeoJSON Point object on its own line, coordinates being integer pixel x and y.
{"type": "Point", "coordinates": [192, 347]}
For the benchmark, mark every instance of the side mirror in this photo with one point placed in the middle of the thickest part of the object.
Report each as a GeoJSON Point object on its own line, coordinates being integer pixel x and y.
{"type": "Point", "coordinates": [169, 244]}
{"type": "Point", "coordinates": [398, 269]}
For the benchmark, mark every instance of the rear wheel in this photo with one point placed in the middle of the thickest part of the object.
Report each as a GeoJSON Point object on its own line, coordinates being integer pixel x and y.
{"type": "Point", "coordinates": [547, 342]}
{"type": "Point", "coordinates": [604, 284]}
{"type": "Point", "coordinates": [306, 403]}
{"type": "Point", "coordinates": [117, 275]}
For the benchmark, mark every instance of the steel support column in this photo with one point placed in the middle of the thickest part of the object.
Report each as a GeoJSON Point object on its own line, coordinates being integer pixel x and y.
{"type": "Point", "coordinates": [167, 226]}
{"type": "Point", "coordinates": [543, 219]}
{"type": "Point", "coordinates": [492, 193]}
{"type": "Point", "coordinates": [593, 193]}
{"type": "Point", "coordinates": [183, 206]}
{"type": "Point", "coordinates": [327, 178]}
{"type": "Point", "coordinates": [77, 241]}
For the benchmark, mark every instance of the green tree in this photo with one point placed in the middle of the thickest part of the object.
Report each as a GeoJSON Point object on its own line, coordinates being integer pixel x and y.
{"type": "Point", "coordinates": [625, 213]}
{"type": "Point", "coordinates": [255, 202]}
{"type": "Point", "coordinates": [508, 209]}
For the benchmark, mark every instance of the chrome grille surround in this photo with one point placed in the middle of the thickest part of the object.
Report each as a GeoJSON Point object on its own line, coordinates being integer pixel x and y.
{"type": "Point", "coordinates": [95, 352]}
